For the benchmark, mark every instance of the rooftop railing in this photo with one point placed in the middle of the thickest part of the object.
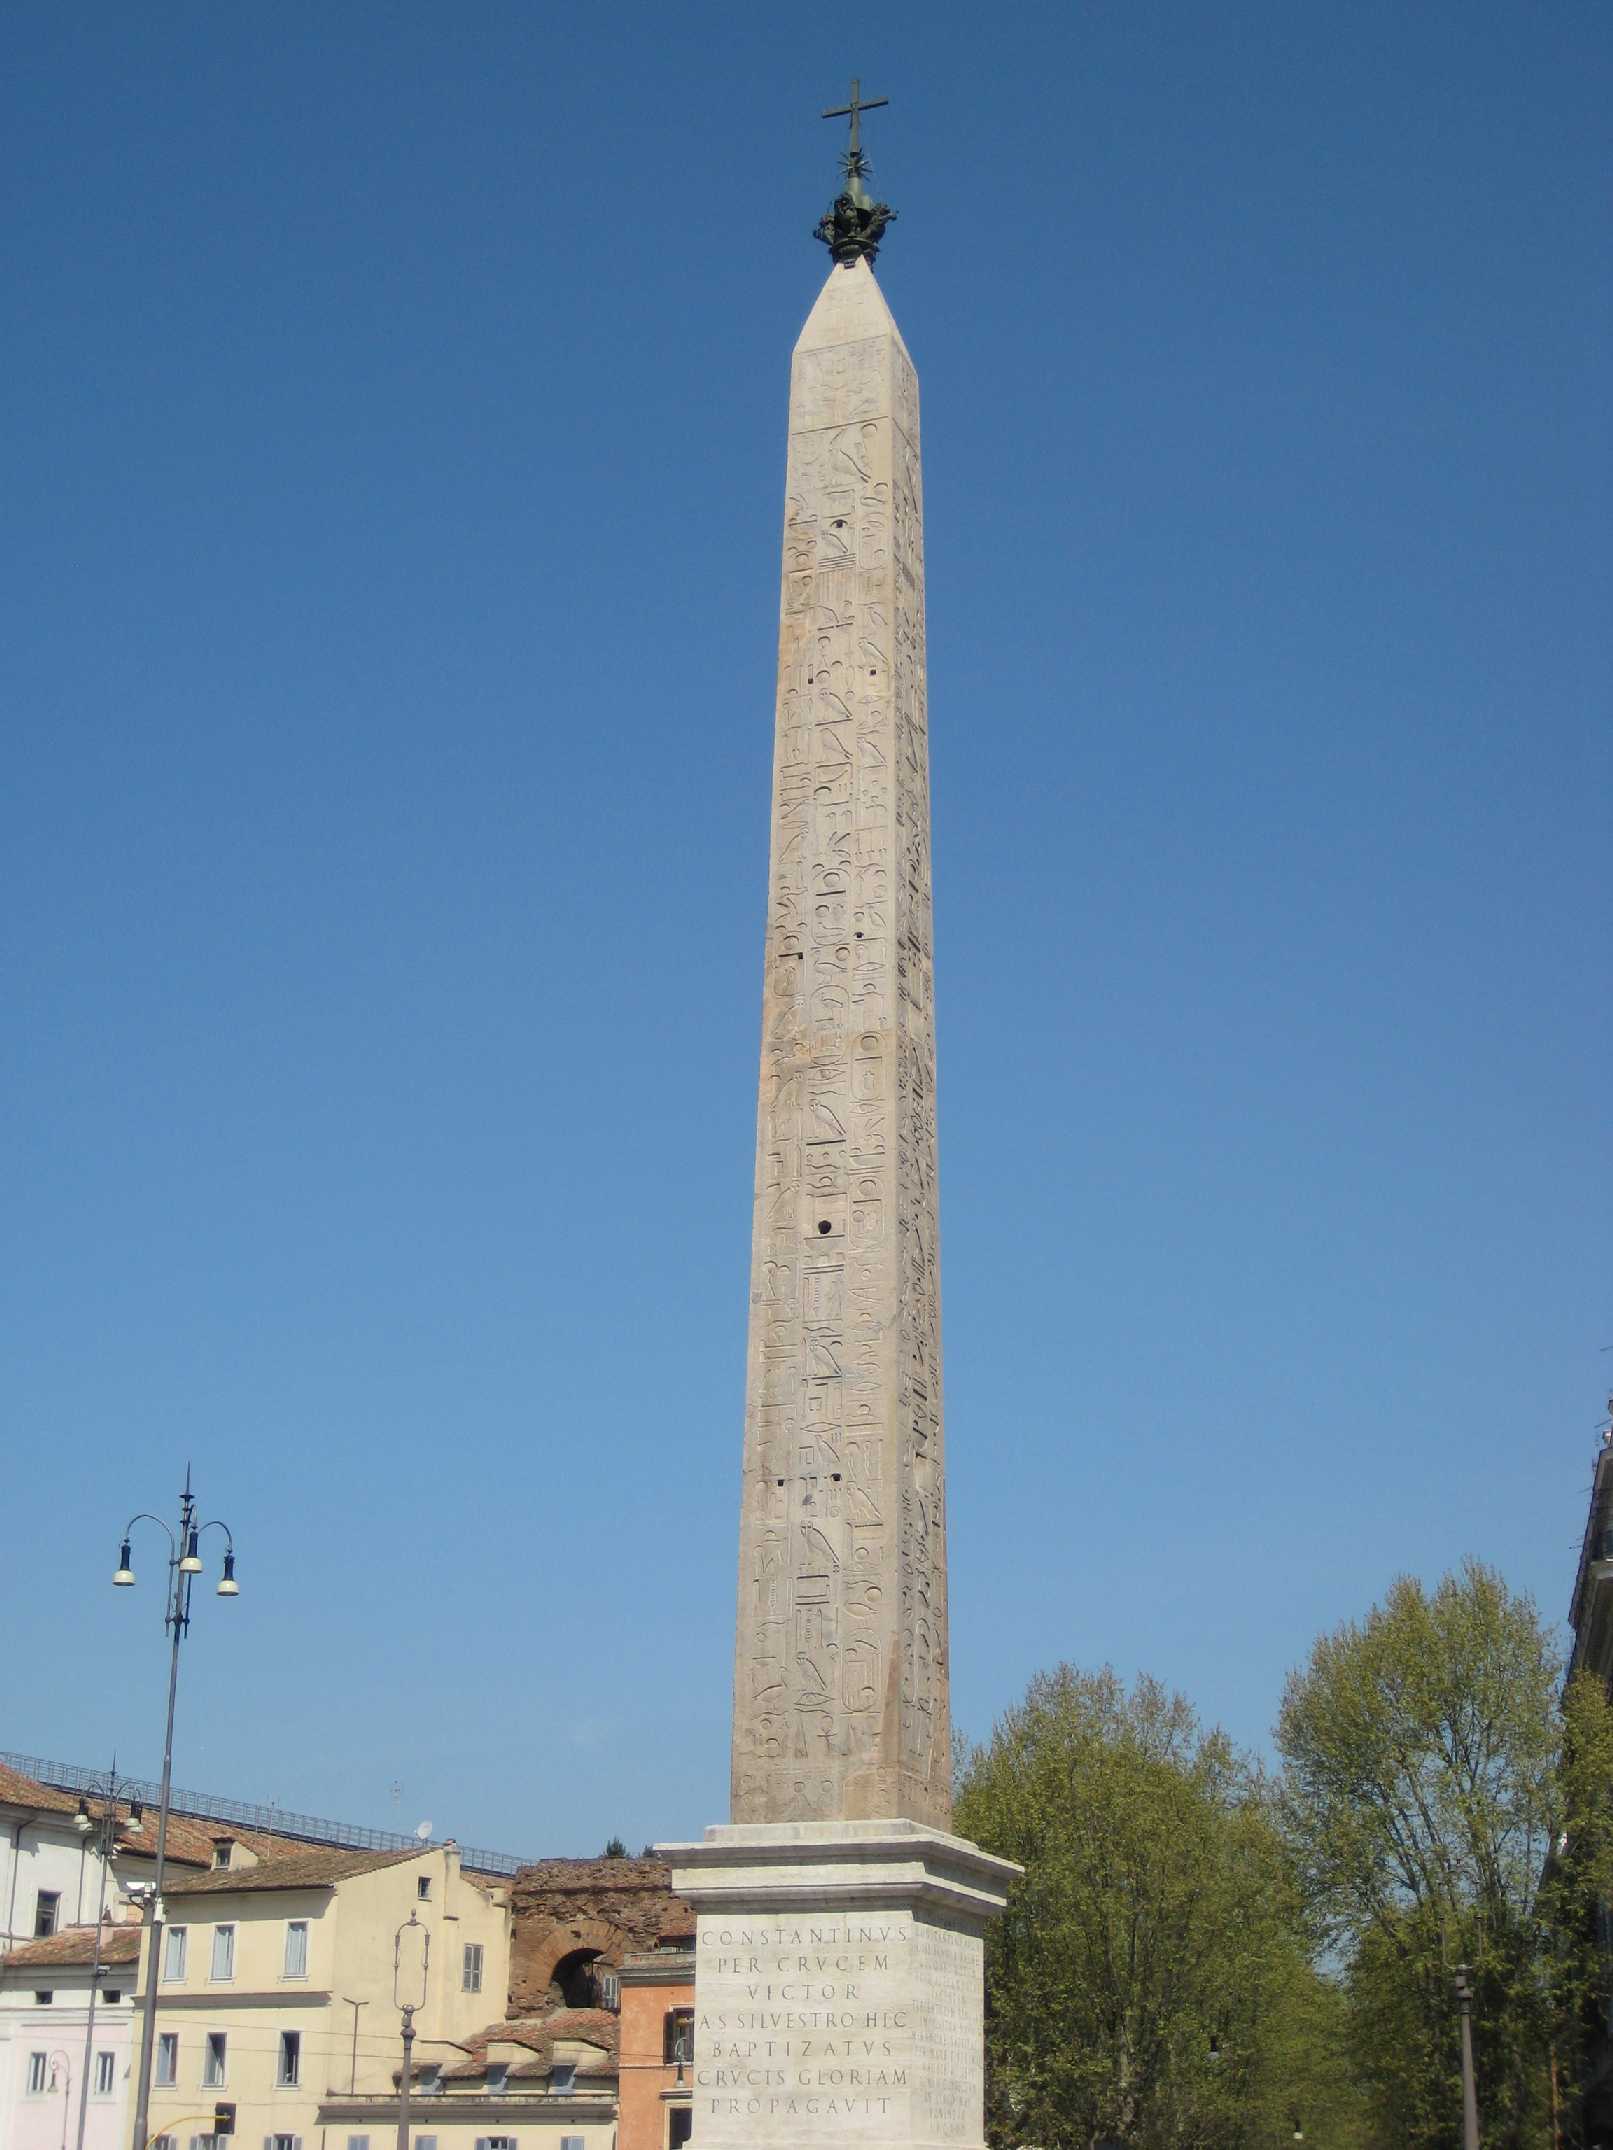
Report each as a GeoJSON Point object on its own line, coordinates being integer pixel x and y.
{"type": "Point", "coordinates": [278, 1821]}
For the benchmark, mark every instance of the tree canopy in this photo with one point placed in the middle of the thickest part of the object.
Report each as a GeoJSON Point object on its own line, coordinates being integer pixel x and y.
{"type": "Point", "coordinates": [1445, 1803]}
{"type": "Point", "coordinates": [1202, 1957]}
{"type": "Point", "coordinates": [1151, 1982]}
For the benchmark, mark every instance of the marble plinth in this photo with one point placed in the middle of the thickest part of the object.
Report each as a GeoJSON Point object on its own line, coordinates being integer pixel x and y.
{"type": "Point", "coordinates": [838, 1983]}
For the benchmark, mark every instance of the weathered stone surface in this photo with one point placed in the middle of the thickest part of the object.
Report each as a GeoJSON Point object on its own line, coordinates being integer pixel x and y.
{"type": "Point", "coordinates": [569, 1914]}
{"type": "Point", "coordinates": [840, 1693]}
{"type": "Point", "coordinates": [838, 1984]}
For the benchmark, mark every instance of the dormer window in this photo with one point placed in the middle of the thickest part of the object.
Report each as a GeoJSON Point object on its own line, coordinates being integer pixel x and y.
{"type": "Point", "coordinates": [498, 2077]}
{"type": "Point", "coordinates": [222, 1847]}
{"type": "Point", "coordinates": [563, 2076]}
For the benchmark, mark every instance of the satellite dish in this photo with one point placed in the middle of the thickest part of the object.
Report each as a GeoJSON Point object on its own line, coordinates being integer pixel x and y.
{"type": "Point", "coordinates": [424, 1832]}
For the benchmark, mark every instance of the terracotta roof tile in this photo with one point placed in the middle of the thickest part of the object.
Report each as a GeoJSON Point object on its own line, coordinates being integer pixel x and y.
{"type": "Point", "coordinates": [20, 1791]}
{"type": "Point", "coordinates": [584, 2026]}
{"type": "Point", "coordinates": [302, 1869]}
{"type": "Point", "coordinates": [190, 1840]}
{"type": "Point", "coordinates": [75, 1945]}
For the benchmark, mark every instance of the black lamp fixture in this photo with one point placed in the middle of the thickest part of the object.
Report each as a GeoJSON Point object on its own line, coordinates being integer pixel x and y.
{"type": "Point", "coordinates": [184, 1565]}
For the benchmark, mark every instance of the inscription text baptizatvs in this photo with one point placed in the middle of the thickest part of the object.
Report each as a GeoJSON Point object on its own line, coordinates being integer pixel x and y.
{"type": "Point", "coordinates": [822, 2022]}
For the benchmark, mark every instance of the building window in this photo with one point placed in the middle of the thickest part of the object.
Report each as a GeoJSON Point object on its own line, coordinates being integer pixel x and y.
{"type": "Point", "coordinates": [677, 2036]}
{"type": "Point", "coordinates": [563, 2076]}
{"type": "Point", "coordinates": [167, 2057]}
{"type": "Point", "coordinates": [173, 1952]}
{"type": "Point", "coordinates": [221, 1850]}
{"type": "Point", "coordinates": [430, 2078]}
{"type": "Point", "coordinates": [498, 2078]}
{"type": "Point", "coordinates": [680, 2126]}
{"type": "Point", "coordinates": [296, 1948]}
{"type": "Point", "coordinates": [422, 1887]}
{"type": "Point", "coordinates": [362, 2142]}
{"type": "Point", "coordinates": [215, 2063]}
{"type": "Point", "coordinates": [43, 2000]}
{"type": "Point", "coordinates": [289, 2073]}
{"type": "Point", "coordinates": [496, 2142]}
{"type": "Point", "coordinates": [471, 1981]}
{"type": "Point", "coordinates": [223, 1952]}
{"type": "Point", "coordinates": [425, 2142]}
{"type": "Point", "coordinates": [47, 1912]}
{"type": "Point", "coordinates": [571, 2142]}
{"type": "Point", "coordinates": [38, 2070]}
{"type": "Point", "coordinates": [282, 2142]}
{"type": "Point", "coordinates": [106, 2070]}
{"type": "Point", "coordinates": [163, 2142]}
{"type": "Point", "coordinates": [113, 1993]}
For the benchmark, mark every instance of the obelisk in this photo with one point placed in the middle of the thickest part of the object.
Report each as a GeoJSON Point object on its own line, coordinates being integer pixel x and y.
{"type": "Point", "coordinates": [840, 1672]}
{"type": "Point", "coordinates": [838, 1969]}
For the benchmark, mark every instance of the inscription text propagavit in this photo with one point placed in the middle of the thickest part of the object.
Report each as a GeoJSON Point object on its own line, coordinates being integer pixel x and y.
{"type": "Point", "coordinates": [840, 1705]}
{"type": "Point", "coordinates": [817, 2022]}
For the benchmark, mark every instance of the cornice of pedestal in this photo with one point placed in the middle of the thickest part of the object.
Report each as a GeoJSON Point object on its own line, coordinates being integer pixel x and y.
{"type": "Point", "coordinates": [828, 1866]}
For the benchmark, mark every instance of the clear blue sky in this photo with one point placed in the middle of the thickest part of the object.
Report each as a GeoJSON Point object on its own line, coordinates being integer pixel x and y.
{"type": "Point", "coordinates": [395, 408]}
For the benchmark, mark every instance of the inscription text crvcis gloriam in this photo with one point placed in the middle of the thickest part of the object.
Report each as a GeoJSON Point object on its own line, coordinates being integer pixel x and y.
{"type": "Point", "coordinates": [863, 2017]}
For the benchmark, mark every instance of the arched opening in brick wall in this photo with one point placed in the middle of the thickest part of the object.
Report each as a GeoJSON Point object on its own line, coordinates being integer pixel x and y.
{"type": "Point", "coordinates": [575, 1981]}
{"type": "Point", "coordinates": [569, 1965]}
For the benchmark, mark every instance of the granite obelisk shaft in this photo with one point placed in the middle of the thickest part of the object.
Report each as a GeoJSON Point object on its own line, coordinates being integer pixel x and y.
{"type": "Point", "coordinates": [840, 1688]}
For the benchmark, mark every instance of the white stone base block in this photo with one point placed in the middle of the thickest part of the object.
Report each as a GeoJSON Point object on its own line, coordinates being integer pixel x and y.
{"type": "Point", "coordinates": [838, 1984]}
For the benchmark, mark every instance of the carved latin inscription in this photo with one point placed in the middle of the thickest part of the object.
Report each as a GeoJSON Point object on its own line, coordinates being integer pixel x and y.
{"type": "Point", "coordinates": [840, 1698]}
{"type": "Point", "coordinates": [843, 2026]}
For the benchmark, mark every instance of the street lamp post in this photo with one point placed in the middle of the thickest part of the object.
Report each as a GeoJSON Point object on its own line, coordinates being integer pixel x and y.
{"type": "Point", "coordinates": [184, 1565]}
{"type": "Point", "coordinates": [105, 1831]}
{"type": "Point", "coordinates": [401, 1978]}
{"type": "Point", "coordinates": [66, 2073]}
{"type": "Point", "coordinates": [1470, 2101]}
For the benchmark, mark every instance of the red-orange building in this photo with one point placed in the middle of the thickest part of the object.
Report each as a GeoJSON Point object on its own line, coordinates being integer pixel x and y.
{"type": "Point", "coordinates": [657, 2041]}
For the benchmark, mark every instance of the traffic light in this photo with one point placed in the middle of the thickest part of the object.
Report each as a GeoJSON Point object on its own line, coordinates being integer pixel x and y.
{"type": "Point", "coordinates": [223, 2119]}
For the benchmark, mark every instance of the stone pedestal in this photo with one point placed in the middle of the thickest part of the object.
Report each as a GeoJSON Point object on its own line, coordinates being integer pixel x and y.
{"type": "Point", "coordinates": [838, 1983]}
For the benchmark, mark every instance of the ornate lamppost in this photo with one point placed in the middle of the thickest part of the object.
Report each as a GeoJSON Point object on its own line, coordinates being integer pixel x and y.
{"type": "Point", "coordinates": [184, 1565]}
{"type": "Point", "coordinates": [65, 2071]}
{"type": "Point", "coordinates": [103, 1829]}
{"type": "Point", "coordinates": [403, 1981]}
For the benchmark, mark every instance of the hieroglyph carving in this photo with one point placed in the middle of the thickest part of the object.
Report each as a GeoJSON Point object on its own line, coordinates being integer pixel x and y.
{"type": "Point", "coordinates": [840, 1696]}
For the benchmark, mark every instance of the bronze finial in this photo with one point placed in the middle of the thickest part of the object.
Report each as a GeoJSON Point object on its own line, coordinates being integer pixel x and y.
{"type": "Point", "coordinates": [852, 227]}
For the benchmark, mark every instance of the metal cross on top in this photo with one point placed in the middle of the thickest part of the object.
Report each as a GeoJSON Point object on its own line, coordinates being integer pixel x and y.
{"type": "Point", "coordinates": [854, 112]}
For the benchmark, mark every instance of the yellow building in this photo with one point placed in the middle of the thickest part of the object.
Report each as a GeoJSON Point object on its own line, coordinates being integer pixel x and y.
{"type": "Point", "coordinates": [276, 1986]}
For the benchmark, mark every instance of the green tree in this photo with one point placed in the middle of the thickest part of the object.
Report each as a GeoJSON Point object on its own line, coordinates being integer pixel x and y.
{"type": "Point", "coordinates": [1150, 1982]}
{"type": "Point", "coordinates": [1427, 1780]}
{"type": "Point", "coordinates": [614, 1849]}
{"type": "Point", "coordinates": [1577, 1887]}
